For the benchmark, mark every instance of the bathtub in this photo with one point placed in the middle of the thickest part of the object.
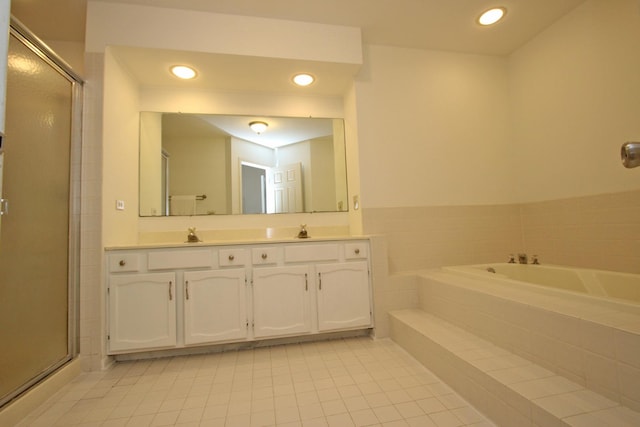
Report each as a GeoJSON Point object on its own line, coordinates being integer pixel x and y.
{"type": "Point", "coordinates": [622, 289]}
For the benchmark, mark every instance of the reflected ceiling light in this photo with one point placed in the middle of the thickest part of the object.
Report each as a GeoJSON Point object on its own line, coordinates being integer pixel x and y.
{"type": "Point", "coordinates": [492, 16]}
{"type": "Point", "coordinates": [303, 79]}
{"type": "Point", "coordinates": [258, 126]}
{"type": "Point", "coordinates": [183, 72]}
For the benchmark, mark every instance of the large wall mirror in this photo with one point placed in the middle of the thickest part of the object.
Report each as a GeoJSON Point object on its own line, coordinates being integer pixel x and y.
{"type": "Point", "coordinates": [203, 164]}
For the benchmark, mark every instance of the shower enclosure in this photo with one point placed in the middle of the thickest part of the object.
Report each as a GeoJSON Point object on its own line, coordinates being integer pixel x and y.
{"type": "Point", "coordinates": [40, 215]}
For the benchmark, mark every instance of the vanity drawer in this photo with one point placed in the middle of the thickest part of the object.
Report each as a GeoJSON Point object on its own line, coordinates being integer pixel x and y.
{"type": "Point", "coordinates": [229, 257]}
{"type": "Point", "coordinates": [165, 260]}
{"type": "Point", "coordinates": [264, 255]}
{"type": "Point", "coordinates": [356, 250]}
{"type": "Point", "coordinates": [302, 253]}
{"type": "Point", "coordinates": [124, 263]}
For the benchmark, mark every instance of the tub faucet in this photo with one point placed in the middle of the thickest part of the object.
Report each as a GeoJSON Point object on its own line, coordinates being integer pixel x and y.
{"type": "Point", "coordinates": [522, 258]}
{"type": "Point", "coordinates": [534, 260]}
{"type": "Point", "coordinates": [512, 259]}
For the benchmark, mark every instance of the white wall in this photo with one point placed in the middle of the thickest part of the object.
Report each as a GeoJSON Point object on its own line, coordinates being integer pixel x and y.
{"type": "Point", "coordinates": [575, 93]}
{"type": "Point", "coordinates": [322, 175]}
{"type": "Point", "coordinates": [111, 24]}
{"type": "Point", "coordinates": [120, 154]}
{"type": "Point", "coordinates": [438, 128]}
{"type": "Point", "coordinates": [151, 164]}
{"type": "Point", "coordinates": [198, 165]}
{"type": "Point", "coordinates": [433, 129]}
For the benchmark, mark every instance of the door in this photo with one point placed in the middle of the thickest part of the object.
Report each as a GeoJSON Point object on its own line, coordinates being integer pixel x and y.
{"type": "Point", "coordinates": [38, 233]}
{"type": "Point", "coordinates": [214, 306]}
{"type": "Point", "coordinates": [281, 301]}
{"type": "Point", "coordinates": [142, 311]}
{"type": "Point", "coordinates": [343, 296]}
{"type": "Point", "coordinates": [287, 188]}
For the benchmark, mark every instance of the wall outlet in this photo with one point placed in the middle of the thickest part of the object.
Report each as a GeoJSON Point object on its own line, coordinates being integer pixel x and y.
{"type": "Point", "coordinates": [119, 205]}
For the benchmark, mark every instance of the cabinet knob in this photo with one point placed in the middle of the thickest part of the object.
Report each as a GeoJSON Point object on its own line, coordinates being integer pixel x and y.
{"type": "Point", "coordinates": [122, 263]}
{"type": "Point", "coordinates": [357, 251]}
{"type": "Point", "coordinates": [264, 256]}
{"type": "Point", "coordinates": [231, 257]}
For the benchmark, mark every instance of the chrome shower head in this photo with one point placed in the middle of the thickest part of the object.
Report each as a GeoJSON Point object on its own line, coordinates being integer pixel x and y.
{"type": "Point", "coordinates": [630, 154]}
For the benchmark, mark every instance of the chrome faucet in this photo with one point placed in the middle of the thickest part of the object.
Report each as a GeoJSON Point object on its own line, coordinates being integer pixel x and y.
{"type": "Point", "coordinates": [191, 237]}
{"type": "Point", "coordinates": [522, 258]}
{"type": "Point", "coordinates": [534, 260]}
{"type": "Point", "coordinates": [512, 259]}
{"type": "Point", "coordinates": [303, 234]}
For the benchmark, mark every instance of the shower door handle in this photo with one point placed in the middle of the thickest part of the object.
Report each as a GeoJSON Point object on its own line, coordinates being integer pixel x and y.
{"type": "Point", "coordinates": [4, 206]}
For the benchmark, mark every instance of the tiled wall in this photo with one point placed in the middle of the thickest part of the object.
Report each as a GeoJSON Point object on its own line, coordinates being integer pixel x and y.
{"type": "Point", "coordinates": [600, 232]}
{"type": "Point", "coordinates": [91, 297]}
{"type": "Point", "coordinates": [592, 232]}
{"type": "Point", "coordinates": [428, 237]}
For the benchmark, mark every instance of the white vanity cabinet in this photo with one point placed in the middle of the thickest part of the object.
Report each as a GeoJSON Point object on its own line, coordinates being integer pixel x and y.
{"type": "Point", "coordinates": [183, 296]}
{"type": "Point", "coordinates": [142, 311]}
{"type": "Point", "coordinates": [343, 296]}
{"type": "Point", "coordinates": [214, 306]}
{"type": "Point", "coordinates": [281, 301]}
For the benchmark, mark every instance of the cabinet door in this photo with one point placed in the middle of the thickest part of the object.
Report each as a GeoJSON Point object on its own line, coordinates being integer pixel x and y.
{"type": "Point", "coordinates": [142, 311]}
{"type": "Point", "coordinates": [281, 301]}
{"type": "Point", "coordinates": [343, 296]}
{"type": "Point", "coordinates": [214, 306]}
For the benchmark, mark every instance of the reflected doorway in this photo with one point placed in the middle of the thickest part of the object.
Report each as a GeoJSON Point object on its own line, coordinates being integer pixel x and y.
{"type": "Point", "coordinates": [254, 188]}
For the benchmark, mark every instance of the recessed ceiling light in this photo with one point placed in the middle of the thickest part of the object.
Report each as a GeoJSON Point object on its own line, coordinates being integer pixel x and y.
{"type": "Point", "coordinates": [303, 79]}
{"type": "Point", "coordinates": [492, 16]}
{"type": "Point", "coordinates": [183, 72]}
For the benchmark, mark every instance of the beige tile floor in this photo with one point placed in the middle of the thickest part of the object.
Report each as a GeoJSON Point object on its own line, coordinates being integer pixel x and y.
{"type": "Point", "coordinates": [346, 382]}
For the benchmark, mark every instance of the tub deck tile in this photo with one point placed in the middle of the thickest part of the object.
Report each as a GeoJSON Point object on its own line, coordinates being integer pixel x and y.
{"type": "Point", "coordinates": [618, 416]}
{"type": "Point", "coordinates": [575, 403]}
{"type": "Point", "coordinates": [520, 374]}
{"type": "Point", "coordinates": [503, 385]}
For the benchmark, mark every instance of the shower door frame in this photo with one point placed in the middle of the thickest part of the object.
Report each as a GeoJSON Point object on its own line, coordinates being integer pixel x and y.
{"type": "Point", "coordinates": [44, 52]}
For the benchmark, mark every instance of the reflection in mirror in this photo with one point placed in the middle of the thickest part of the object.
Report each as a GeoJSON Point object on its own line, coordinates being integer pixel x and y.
{"type": "Point", "coordinates": [198, 164]}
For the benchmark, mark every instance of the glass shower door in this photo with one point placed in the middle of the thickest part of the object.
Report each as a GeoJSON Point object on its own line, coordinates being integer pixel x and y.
{"type": "Point", "coordinates": [35, 234]}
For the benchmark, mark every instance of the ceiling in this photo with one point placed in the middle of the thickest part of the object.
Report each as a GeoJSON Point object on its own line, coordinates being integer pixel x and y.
{"type": "Point", "coordinates": [424, 24]}
{"type": "Point", "coordinates": [281, 131]}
